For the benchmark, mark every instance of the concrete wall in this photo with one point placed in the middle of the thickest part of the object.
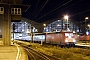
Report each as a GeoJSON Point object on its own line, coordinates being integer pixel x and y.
{"type": "Point", "coordinates": [1, 29]}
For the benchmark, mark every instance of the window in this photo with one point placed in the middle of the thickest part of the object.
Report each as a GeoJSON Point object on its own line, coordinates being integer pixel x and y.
{"type": "Point", "coordinates": [16, 11]}
{"type": "Point", "coordinates": [1, 10]}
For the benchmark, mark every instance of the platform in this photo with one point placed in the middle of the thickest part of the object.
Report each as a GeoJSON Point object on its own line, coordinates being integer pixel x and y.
{"type": "Point", "coordinates": [14, 52]}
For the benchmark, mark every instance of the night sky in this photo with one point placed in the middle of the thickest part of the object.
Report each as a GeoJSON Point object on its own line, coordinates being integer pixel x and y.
{"type": "Point", "coordinates": [44, 10]}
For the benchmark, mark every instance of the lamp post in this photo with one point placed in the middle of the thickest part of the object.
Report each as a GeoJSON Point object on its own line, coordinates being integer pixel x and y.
{"type": "Point", "coordinates": [32, 33]}
{"type": "Point", "coordinates": [44, 27]}
{"type": "Point", "coordinates": [88, 29]}
{"type": "Point", "coordinates": [66, 18]}
{"type": "Point", "coordinates": [85, 26]}
{"type": "Point", "coordinates": [86, 18]}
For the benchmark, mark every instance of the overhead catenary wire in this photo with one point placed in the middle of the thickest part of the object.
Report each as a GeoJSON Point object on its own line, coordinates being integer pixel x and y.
{"type": "Point", "coordinates": [81, 12]}
{"type": "Point", "coordinates": [35, 11]}
{"type": "Point", "coordinates": [59, 4]}
{"type": "Point", "coordinates": [70, 5]}
{"type": "Point", "coordinates": [59, 10]}
{"type": "Point", "coordinates": [35, 7]}
{"type": "Point", "coordinates": [41, 9]}
{"type": "Point", "coordinates": [54, 9]}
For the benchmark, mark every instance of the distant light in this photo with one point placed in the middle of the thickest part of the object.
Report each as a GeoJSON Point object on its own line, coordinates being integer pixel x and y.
{"type": "Point", "coordinates": [44, 24]}
{"type": "Point", "coordinates": [66, 17]}
{"type": "Point", "coordinates": [58, 25]}
{"type": "Point", "coordinates": [36, 30]}
{"type": "Point", "coordinates": [86, 17]}
{"type": "Point", "coordinates": [20, 34]}
{"type": "Point", "coordinates": [88, 25]}
{"type": "Point", "coordinates": [73, 31]}
{"type": "Point", "coordinates": [78, 35]}
{"type": "Point", "coordinates": [22, 30]}
{"type": "Point", "coordinates": [56, 30]}
{"type": "Point", "coordinates": [58, 20]}
{"type": "Point", "coordinates": [44, 28]}
{"type": "Point", "coordinates": [68, 29]}
{"type": "Point", "coordinates": [87, 33]}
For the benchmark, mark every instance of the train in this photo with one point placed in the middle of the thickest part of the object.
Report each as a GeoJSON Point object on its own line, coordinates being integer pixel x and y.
{"type": "Point", "coordinates": [63, 38]}
{"type": "Point", "coordinates": [83, 37]}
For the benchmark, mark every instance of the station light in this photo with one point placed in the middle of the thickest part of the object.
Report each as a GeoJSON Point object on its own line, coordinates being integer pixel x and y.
{"type": "Point", "coordinates": [66, 18]}
{"type": "Point", "coordinates": [44, 25]}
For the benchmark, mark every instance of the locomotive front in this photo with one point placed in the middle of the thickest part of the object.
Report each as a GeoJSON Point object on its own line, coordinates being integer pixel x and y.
{"type": "Point", "coordinates": [70, 39]}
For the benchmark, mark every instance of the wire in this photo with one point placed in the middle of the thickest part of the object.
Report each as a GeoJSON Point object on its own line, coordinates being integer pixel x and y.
{"type": "Point", "coordinates": [69, 6]}
{"type": "Point", "coordinates": [54, 10]}
{"type": "Point", "coordinates": [41, 8]}
{"type": "Point", "coordinates": [27, 9]}
{"type": "Point", "coordinates": [36, 7]}
{"type": "Point", "coordinates": [81, 12]}
{"type": "Point", "coordinates": [59, 4]}
{"type": "Point", "coordinates": [59, 10]}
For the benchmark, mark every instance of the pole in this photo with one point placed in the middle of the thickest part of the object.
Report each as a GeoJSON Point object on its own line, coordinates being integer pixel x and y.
{"type": "Point", "coordinates": [67, 23]}
{"type": "Point", "coordinates": [13, 32]}
{"type": "Point", "coordinates": [13, 36]}
{"type": "Point", "coordinates": [66, 17]}
{"type": "Point", "coordinates": [85, 25]}
{"type": "Point", "coordinates": [32, 33]}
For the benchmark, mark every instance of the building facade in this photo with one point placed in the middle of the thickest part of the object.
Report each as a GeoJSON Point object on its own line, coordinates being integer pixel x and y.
{"type": "Point", "coordinates": [25, 28]}
{"type": "Point", "coordinates": [10, 10]}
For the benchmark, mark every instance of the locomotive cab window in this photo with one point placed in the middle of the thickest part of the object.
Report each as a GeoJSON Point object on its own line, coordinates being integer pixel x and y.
{"type": "Point", "coordinates": [1, 10]}
{"type": "Point", "coordinates": [16, 11]}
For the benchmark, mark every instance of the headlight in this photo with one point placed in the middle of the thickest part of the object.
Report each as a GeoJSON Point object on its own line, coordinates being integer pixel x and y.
{"type": "Point", "coordinates": [66, 40]}
{"type": "Point", "coordinates": [74, 40]}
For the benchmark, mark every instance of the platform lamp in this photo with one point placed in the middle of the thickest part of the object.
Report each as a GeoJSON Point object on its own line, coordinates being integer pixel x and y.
{"type": "Point", "coordinates": [44, 27]}
{"type": "Point", "coordinates": [66, 18]}
{"type": "Point", "coordinates": [89, 28]}
{"type": "Point", "coordinates": [86, 18]}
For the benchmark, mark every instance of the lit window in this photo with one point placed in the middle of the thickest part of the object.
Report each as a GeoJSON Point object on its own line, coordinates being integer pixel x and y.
{"type": "Point", "coordinates": [16, 11]}
{"type": "Point", "coordinates": [1, 10]}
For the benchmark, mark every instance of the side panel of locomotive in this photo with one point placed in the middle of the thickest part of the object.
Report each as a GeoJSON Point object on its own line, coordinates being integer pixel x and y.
{"type": "Point", "coordinates": [62, 38]}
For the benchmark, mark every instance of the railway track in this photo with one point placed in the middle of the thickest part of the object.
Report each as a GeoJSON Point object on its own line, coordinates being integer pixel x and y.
{"type": "Point", "coordinates": [36, 55]}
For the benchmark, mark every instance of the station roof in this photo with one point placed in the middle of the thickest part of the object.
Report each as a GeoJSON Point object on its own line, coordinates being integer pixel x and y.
{"type": "Point", "coordinates": [44, 10]}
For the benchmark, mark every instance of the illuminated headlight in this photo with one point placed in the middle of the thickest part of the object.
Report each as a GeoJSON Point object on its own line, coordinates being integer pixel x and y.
{"type": "Point", "coordinates": [66, 40]}
{"type": "Point", "coordinates": [74, 40]}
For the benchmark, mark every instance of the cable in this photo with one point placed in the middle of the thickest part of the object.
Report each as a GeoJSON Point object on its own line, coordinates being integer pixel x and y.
{"type": "Point", "coordinates": [60, 10]}
{"type": "Point", "coordinates": [59, 4]}
{"type": "Point", "coordinates": [69, 6]}
{"type": "Point", "coordinates": [53, 10]}
{"type": "Point", "coordinates": [35, 8]}
{"type": "Point", "coordinates": [41, 9]}
{"type": "Point", "coordinates": [81, 12]}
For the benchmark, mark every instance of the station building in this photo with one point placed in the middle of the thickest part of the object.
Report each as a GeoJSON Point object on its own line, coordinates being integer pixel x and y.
{"type": "Point", "coordinates": [10, 10]}
{"type": "Point", "coordinates": [13, 26]}
{"type": "Point", "coordinates": [25, 27]}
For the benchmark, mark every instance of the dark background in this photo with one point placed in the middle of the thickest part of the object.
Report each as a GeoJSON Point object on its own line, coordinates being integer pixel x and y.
{"type": "Point", "coordinates": [44, 10]}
